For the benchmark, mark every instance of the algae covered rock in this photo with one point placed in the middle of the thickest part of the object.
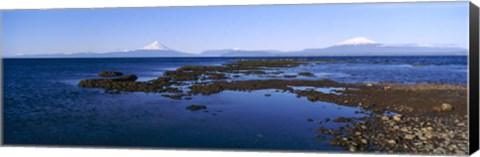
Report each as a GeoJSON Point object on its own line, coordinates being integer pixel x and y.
{"type": "Point", "coordinates": [110, 74]}
{"type": "Point", "coordinates": [126, 78]}
{"type": "Point", "coordinates": [308, 74]}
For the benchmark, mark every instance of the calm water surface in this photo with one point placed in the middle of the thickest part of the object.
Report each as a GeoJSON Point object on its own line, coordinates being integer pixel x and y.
{"type": "Point", "coordinates": [43, 104]}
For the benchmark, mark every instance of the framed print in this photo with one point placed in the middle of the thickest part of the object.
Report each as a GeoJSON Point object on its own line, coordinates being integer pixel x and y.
{"type": "Point", "coordinates": [396, 78]}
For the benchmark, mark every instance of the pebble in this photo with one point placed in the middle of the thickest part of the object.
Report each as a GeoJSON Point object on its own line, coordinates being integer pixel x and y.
{"type": "Point", "coordinates": [363, 127]}
{"type": "Point", "coordinates": [352, 149]}
{"type": "Point", "coordinates": [385, 118]}
{"type": "Point", "coordinates": [446, 107]}
{"type": "Point", "coordinates": [364, 141]}
{"type": "Point", "coordinates": [392, 142]}
{"type": "Point", "coordinates": [396, 127]}
{"type": "Point", "coordinates": [428, 135]}
{"type": "Point", "coordinates": [358, 133]}
{"type": "Point", "coordinates": [408, 137]}
{"type": "Point", "coordinates": [397, 118]}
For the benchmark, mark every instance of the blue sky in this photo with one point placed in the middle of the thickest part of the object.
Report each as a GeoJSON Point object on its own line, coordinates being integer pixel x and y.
{"type": "Point", "coordinates": [195, 29]}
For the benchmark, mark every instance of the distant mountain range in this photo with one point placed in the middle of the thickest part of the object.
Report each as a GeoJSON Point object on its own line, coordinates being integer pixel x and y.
{"type": "Point", "coordinates": [359, 46]}
{"type": "Point", "coordinates": [130, 54]}
{"type": "Point", "coordinates": [155, 49]}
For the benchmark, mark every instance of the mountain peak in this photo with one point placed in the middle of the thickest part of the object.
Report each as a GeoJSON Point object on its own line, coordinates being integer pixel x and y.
{"type": "Point", "coordinates": [356, 41]}
{"type": "Point", "coordinates": [156, 46]}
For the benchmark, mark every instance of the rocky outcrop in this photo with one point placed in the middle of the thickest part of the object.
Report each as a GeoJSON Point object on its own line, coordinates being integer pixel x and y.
{"type": "Point", "coordinates": [110, 74]}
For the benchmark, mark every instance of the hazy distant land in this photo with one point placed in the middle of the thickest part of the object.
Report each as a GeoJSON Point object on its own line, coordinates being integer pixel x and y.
{"type": "Point", "coordinates": [353, 47]}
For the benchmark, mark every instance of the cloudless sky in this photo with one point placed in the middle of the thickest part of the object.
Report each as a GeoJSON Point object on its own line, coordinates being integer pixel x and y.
{"type": "Point", "coordinates": [195, 29]}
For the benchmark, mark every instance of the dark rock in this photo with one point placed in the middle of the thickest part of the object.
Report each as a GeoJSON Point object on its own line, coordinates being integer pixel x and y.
{"type": "Point", "coordinates": [126, 78]}
{"type": "Point", "coordinates": [304, 73]}
{"type": "Point", "coordinates": [276, 72]}
{"type": "Point", "coordinates": [109, 74]}
{"type": "Point", "coordinates": [175, 97]}
{"type": "Point", "coordinates": [342, 120]}
{"type": "Point", "coordinates": [112, 91]}
{"type": "Point", "coordinates": [290, 76]}
{"type": "Point", "coordinates": [196, 107]}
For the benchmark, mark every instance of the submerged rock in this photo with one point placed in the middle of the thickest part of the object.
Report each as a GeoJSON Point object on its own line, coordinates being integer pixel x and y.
{"type": "Point", "coordinates": [290, 76]}
{"type": "Point", "coordinates": [112, 91]}
{"type": "Point", "coordinates": [342, 120]}
{"type": "Point", "coordinates": [304, 73]}
{"type": "Point", "coordinates": [175, 97]}
{"type": "Point", "coordinates": [196, 107]}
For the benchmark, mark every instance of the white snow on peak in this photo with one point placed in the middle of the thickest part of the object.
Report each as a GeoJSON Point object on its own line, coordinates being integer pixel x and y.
{"type": "Point", "coordinates": [356, 41]}
{"type": "Point", "coordinates": [156, 46]}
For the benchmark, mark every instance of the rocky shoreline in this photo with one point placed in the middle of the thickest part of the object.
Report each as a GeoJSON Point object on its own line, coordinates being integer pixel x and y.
{"type": "Point", "coordinates": [403, 134]}
{"type": "Point", "coordinates": [426, 119]}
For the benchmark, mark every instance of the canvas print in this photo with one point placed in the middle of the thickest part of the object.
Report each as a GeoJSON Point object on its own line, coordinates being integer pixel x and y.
{"type": "Point", "coordinates": [363, 78]}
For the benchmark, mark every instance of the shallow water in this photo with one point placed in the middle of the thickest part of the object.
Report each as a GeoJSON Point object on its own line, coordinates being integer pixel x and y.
{"type": "Point", "coordinates": [43, 104]}
{"type": "Point", "coordinates": [325, 90]}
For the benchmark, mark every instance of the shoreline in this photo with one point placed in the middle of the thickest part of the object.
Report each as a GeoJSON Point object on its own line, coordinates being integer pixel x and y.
{"type": "Point", "coordinates": [426, 114]}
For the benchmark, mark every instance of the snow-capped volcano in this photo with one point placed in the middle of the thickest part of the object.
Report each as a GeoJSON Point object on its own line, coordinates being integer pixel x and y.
{"type": "Point", "coordinates": [362, 46]}
{"type": "Point", "coordinates": [156, 46]}
{"type": "Point", "coordinates": [356, 41]}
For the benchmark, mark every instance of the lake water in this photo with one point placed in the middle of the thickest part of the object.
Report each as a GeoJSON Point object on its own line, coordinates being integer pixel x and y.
{"type": "Point", "coordinates": [42, 104]}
